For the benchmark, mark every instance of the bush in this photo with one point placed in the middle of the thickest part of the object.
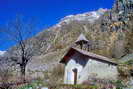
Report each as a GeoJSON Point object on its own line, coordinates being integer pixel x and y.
{"type": "Point", "coordinates": [55, 76]}
{"type": "Point", "coordinates": [5, 74]}
{"type": "Point", "coordinates": [120, 84]}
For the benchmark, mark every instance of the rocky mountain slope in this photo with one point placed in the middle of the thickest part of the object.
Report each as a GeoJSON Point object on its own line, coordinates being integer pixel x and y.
{"type": "Point", "coordinates": [54, 42]}
{"type": "Point", "coordinates": [85, 17]}
{"type": "Point", "coordinates": [111, 33]}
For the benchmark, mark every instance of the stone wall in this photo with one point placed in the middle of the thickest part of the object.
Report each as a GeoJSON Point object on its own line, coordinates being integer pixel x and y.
{"type": "Point", "coordinates": [88, 68]}
{"type": "Point", "coordinates": [100, 70]}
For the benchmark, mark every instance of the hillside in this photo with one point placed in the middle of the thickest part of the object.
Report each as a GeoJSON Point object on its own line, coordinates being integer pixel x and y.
{"type": "Point", "coordinates": [110, 31]}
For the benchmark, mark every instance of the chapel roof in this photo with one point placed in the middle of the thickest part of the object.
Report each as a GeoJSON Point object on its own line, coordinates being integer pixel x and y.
{"type": "Point", "coordinates": [94, 56]}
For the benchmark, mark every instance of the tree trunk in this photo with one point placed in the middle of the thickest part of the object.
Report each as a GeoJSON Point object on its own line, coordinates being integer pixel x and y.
{"type": "Point", "coordinates": [23, 72]}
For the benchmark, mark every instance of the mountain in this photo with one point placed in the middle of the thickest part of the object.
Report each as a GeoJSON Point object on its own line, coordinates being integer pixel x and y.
{"type": "Point", "coordinates": [110, 31]}
{"type": "Point", "coordinates": [85, 17]}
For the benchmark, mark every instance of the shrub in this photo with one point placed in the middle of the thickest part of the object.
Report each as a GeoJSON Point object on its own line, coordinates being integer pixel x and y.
{"type": "Point", "coordinates": [124, 72]}
{"type": "Point", "coordinates": [120, 84]}
{"type": "Point", "coordinates": [55, 76]}
{"type": "Point", "coordinates": [5, 74]}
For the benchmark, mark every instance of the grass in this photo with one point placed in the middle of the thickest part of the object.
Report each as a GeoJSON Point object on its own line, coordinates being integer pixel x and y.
{"type": "Point", "coordinates": [38, 83]}
{"type": "Point", "coordinates": [33, 85]}
{"type": "Point", "coordinates": [78, 86]}
{"type": "Point", "coordinates": [27, 87]}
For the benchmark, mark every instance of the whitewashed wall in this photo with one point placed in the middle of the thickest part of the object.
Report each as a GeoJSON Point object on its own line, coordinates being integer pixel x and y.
{"type": "Point", "coordinates": [88, 68]}
{"type": "Point", "coordinates": [75, 62]}
{"type": "Point", "coordinates": [96, 69]}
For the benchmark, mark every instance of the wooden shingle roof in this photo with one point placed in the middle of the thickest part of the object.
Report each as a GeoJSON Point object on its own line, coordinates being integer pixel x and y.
{"type": "Point", "coordinates": [97, 57]}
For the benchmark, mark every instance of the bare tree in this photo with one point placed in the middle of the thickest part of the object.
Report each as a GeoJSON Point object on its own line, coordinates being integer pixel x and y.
{"type": "Point", "coordinates": [18, 31]}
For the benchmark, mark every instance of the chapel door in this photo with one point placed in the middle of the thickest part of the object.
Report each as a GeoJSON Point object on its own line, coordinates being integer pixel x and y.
{"type": "Point", "coordinates": [75, 75]}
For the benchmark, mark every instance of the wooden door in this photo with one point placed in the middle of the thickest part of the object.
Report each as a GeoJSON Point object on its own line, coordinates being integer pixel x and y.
{"type": "Point", "coordinates": [75, 75]}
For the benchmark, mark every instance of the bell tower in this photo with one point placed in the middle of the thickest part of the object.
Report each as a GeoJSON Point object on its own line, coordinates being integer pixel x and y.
{"type": "Point", "coordinates": [82, 42]}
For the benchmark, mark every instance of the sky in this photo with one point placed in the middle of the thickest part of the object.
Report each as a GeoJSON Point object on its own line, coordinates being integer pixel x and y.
{"type": "Point", "coordinates": [46, 12]}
